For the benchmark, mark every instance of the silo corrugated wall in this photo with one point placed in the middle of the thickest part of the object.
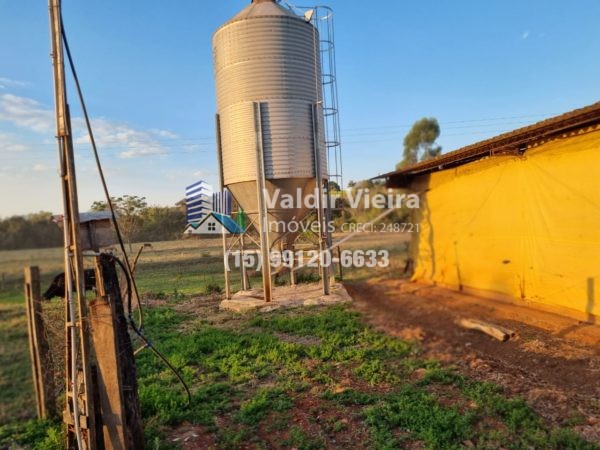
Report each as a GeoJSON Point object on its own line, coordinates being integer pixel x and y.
{"type": "Point", "coordinates": [267, 54]}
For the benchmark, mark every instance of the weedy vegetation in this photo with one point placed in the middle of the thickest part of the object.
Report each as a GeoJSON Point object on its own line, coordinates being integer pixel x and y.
{"type": "Point", "coordinates": [311, 378]}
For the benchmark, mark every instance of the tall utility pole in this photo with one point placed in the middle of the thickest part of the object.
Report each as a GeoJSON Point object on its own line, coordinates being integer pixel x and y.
{"type": "Point", "coordinates": [79, 414]}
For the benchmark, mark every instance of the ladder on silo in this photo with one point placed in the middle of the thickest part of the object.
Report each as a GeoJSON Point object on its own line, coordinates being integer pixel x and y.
{"type": "Point", "coordinates": [321, 17]}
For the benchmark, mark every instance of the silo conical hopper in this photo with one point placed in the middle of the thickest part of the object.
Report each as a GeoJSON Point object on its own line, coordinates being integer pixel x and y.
{"type": "Point", "coordinates": [268, 54]}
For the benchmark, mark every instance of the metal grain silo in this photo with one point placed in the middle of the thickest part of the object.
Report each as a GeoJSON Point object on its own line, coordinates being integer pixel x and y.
{"type": "Point", "coordinates": [268, 81]}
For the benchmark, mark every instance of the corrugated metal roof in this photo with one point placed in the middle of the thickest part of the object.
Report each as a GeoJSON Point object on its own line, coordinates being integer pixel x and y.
{"type": "Point", "coordinates": [84, 217]}
{"type": "Point", "coordinates": [513, 142]}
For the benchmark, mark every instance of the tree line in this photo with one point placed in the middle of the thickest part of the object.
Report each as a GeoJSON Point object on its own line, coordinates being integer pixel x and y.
{"type": "Point", "coordinates": [138, 222]}
{"type": "Point", "coordinates": [30, 231]}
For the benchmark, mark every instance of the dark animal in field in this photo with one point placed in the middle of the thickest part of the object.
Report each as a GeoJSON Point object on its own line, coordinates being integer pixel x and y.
{"type": "Point", "coordinates": [57, 287]}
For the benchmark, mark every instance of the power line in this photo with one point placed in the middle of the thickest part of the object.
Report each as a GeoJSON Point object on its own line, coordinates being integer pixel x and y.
{"type": "Point", "coordinates": [454, 122]}
{"type": "Point", "coordinates": [31, 155]}
{"type": "Point", "coordinates": [399, 141]}
{"type": "Point", "coordinates": [210, 140]}
{"type": "Point", "coordinates": [120, 150]}
{"type": "Point", "coordinates": [153, 143]}
{"type": "Point", "coordinates": [443, 129]}
{"type": "Point", "coordinates": [161, 147]}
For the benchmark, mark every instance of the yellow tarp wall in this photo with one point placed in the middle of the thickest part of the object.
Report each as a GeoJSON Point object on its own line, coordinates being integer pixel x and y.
{"type": "Point", "coordinates": [525, 227]}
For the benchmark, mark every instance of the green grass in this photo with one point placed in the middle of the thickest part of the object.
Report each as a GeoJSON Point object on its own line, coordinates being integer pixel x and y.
{"type": "Point", "coordinates": [425, 419]}
{"type": "Point", "coordinates": [301, 440]}
{"type": "Point", "coordinates": [186, 266]}
{"type": "Point", "coordinates": [16, 399]}
{"type": "Point", "coordinates": [35, 434]}
{"type": "Point", "coordinates": [251, 373]}
{"type": "Point", "coordinates": [307, 378]}
{"type": "Point", "coordinates": [244, 376]}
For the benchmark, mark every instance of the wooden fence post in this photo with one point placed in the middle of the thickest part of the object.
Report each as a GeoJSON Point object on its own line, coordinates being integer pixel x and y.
{"type": "Point", "coordinates": [41, 361]}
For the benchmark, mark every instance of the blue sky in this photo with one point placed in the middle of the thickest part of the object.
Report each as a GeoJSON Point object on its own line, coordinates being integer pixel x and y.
{"type": "Point", "coordinates": [481, 68]}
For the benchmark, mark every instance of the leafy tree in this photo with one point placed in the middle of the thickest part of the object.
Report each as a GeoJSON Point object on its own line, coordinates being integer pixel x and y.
{"type": "Point", "coordinates": [419, 143]}
{"type": "Point", "coordinates": [182, 204]}
{"type": "Point", "coordinates": [161, 224]}
{"type": "Point", "coordinates": [129, 209]}
{"type": "Point", "coordinates": [334, 187]}
{"type": "Point", "coordinates": [363, 214]}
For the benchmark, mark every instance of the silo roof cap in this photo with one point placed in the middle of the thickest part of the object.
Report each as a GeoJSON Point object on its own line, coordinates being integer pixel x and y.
{"type": "Point", "coordinates": [263, 8]}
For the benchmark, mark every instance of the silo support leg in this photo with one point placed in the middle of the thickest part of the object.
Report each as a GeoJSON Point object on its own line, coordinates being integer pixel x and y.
{"type": "Point", "coordinates": [222, 186]}
{"type": "Point", "coordinates": [293, 279]}
{"type": "Point", "coordinates": [245, 284]}
{"type": "Point", "coordinates": [262, 208]}
{"type": "Point", "coordinates": [323, 238]}
{"type": "Point", "coordinates": [226, 269]}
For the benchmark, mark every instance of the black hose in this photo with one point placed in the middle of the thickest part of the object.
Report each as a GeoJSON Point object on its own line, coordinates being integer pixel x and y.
{"type": "Point", "coordinates": [126, 267]}
{"type": "Point", "coordinates": [147, 342]}
{"type": "Point", "coordinates": [127, 280]}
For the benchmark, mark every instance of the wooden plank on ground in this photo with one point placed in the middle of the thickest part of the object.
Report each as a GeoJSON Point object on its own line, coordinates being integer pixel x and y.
{"type": "Point", "coordinates": [496, 331]}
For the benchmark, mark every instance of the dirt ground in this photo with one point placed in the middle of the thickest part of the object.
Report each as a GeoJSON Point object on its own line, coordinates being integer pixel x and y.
{"type": "Point", "coordinates": [553, 363]}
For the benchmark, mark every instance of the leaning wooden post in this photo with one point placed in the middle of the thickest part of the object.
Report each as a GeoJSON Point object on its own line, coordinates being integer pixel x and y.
{"type": "Point", "coordinates": [41, 361]}
{"type": "Point", "coordinates": [116, 372]}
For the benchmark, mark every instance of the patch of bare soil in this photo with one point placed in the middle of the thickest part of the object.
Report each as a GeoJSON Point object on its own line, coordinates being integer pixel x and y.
{"type": "Point", "coordinates": [322, 425]}
{"type": "Point", "coordinates": [192, 437]}
{"type": "Point", "coordinates": [554, 363]}
{"type": "Point", "coordinates": [310, 423]}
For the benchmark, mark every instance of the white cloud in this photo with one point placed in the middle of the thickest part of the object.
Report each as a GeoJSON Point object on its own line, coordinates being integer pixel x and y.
{"type": "Point", "coordinates": [164, 133]}
{"type": "Point", "coordinates": [26, 113]}
{"type": "Point", "coordinates": [9, 82]}
{"type": "Point", "coordinates": [525, 35]}
{"type": "Point", "coordinates": [131, 142]}
{"type": "Point", "coordinates": [128, 141]}
{"type": "Point", "coordinates": [192, 147]}
{"type": "Point", "coordinates": [11, 144]}
{"type": "Point", "coordinates": [28, 158]}
{"type": "Point", "coordinates": [187, 174]}
{"type": "Point", "coordinates": [41, 168]}
{"type": "Point", "coordinates": [202, 174]}
{"type": "Point", "coordinates": [135, 153]}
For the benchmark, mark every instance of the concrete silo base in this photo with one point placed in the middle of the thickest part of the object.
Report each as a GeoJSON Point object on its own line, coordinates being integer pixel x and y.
{"type": "Point", "coordinates": [286, 297]}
